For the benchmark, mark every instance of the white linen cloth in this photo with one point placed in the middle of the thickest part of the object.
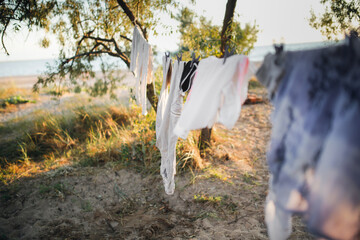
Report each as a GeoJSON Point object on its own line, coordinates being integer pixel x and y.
{"type": "Point", "coordinates": [141, 64]}
{"type": "Point", "coordinates": [169, 110]}
{"type": "Point", "coordinates": [218, 91]}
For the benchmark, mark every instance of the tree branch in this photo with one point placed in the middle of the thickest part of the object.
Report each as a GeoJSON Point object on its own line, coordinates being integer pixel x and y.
{"type": "Point", "coordinates": [108, 51]}
{"type": "Point", "coordinates": [2, 38]}
{"type": "Point", "coordinates": [131, 16]}
{"type": "Point", "coordinates": [118, 53]}
{"type": "Point", "coordinates": [67, 60]}
{"type": "Point", "coordinates": [124, 37]}
{"type": "Point", "coordinates": [105, 39]}
{"type": "Point", "coordinates": [5, 27]}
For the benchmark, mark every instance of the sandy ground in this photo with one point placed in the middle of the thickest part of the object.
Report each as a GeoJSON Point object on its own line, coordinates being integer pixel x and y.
{"type": "Point", "coordinates": [19, 81]}
{"type": "Point", "coordinates": [223, 201]}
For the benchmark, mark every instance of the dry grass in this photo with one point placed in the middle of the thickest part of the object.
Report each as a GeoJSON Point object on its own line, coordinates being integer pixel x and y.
{"type": "Point", "coordinates": [100, 169]}
{"type": "Point", "coordinates": [11, 90]}
{"type": "Point", "coordinates": [85, 136]}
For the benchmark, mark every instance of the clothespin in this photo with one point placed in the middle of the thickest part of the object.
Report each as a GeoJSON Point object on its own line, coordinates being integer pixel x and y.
{"type": "Point", "coordinates": [179, 56]}
{"type": "Point", "coordinates": [354, 34]}
{"type": "Point", "coordinates": [228, 53]}
{"type": "Point", "coordinates": [351, 37]}
{"type": "Point", "coordinates": [194, 57]}
{"type": "Point", "coordinates": [167, 54]}
{"type": "Point", "coordinates": [278, 48]}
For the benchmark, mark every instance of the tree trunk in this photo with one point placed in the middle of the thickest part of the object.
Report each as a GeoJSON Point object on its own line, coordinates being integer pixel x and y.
{"type": "Point", "coordinates": [204, 140]}
{"type": "Point", "coordinates": [205, 136]}
{"type": "Point", "coordinates": [151, 96]}
{"type": "Point", "coordinates": [227, 29]}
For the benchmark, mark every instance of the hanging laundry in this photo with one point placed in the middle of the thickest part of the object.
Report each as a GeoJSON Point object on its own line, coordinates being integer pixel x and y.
{"type": "Point", "coordinates": [169, 110]}
{"type": "Point", "coordinates": [217, 92]}
{"type": "Point", "coordinates": [141, 64]}
{"type": "Point", "coordinates": [314, 154]}
{"type": "Point", "coordinates": [164, 94]}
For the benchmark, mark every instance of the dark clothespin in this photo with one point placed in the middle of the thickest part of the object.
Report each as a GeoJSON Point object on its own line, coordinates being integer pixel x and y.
{"type": "Point", "coordinates": [167, 54]}
{"type": "Point", "coordinates": [194, 57]}
{"type": "Point", "coordinates": [179, 56]}
{"type": "Point", "coordinates": [353, 36]}
{"type": "Point", "coordinates": [278, 48]}
{"type": "Point", "coordinates": [228, 53]}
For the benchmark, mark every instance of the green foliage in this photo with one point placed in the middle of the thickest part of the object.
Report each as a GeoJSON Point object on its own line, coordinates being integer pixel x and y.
{"type": "Point", "coordinates": [340, 16]}
{"type": "Point", "coordinates": [30, 13]}
{"type": "Point", "coordinates": [15, 100]}
{"type": "Point", "coordinates": [203, 198]}
{"type": "Point", "coordinates": [254, 84]}
{"type": "Point", "coordinates": [223, 203]}
{"type": "Point", "coordinates": [199, 35]}
{"type": "Point", "coordinates": [90, 31]}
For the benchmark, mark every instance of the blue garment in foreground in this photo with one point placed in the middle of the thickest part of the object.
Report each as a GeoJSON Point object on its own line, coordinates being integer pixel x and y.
{"type": "Point", "coordinates": [314, 153]}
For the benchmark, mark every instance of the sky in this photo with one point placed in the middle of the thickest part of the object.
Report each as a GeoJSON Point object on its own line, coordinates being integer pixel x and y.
{"type": "Point", "coordinates": [279, 21]}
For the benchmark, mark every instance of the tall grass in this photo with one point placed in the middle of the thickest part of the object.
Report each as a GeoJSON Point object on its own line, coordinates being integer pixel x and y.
{"type": "Point", "coordinates": [86, 136]}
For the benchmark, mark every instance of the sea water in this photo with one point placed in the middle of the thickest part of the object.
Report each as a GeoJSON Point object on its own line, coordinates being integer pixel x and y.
{"type": "Point", "coordinates": [38, 67]}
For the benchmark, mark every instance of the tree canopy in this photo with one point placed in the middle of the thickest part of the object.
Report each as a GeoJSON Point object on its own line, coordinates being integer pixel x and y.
{"type": "Point", "coordinates": [89, 31]}
{"type": "Point", "coordinates": [340, 16]}
{"type": "Point", "coordinates": [15, 14]}
{"type": "Point", "coordinates": [198, 34]}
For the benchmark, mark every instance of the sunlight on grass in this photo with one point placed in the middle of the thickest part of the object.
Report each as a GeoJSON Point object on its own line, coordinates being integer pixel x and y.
{"type": "Point", "coordinates": [86, 136]}
{"type": "Point", "coordinates": [216, 173]}
{"type": "Point", "coordinates": [84, 132]}
{"type": "Point", "coordinates": [223, 205]}
{"type": "Point", "coordinates": [11, 89]}
{"type": "Point", "coordinates": [210, 199]}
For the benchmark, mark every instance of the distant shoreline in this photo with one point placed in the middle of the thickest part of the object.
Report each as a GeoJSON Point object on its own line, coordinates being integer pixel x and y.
{"type": "Point", "coordinates": [28, 81]}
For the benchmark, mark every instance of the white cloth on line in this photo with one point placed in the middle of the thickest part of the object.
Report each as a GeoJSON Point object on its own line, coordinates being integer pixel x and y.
{"type": "Point", "coordinates": [141, 64]}
{"type": "Point", "coordinates": [218, 91]}
{"type": "Point", "coordinates": [164, 94]}
{"type": "Point", "coordinates": [166, 119]}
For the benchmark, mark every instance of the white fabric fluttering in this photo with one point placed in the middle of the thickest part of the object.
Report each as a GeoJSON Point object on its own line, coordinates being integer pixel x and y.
{"type": "Point", "coordinates": [141, 64]}
{"type": "Point", "coordinates": [168, 113]}
{"type": "Point", "coordinates": [217, 93]}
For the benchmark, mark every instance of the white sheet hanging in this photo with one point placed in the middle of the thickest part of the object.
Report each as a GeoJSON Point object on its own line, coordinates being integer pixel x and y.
{"type": "Point", "coordinates": [217, 93]}
{"type": "Point", "coordinates": [141, 64]}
